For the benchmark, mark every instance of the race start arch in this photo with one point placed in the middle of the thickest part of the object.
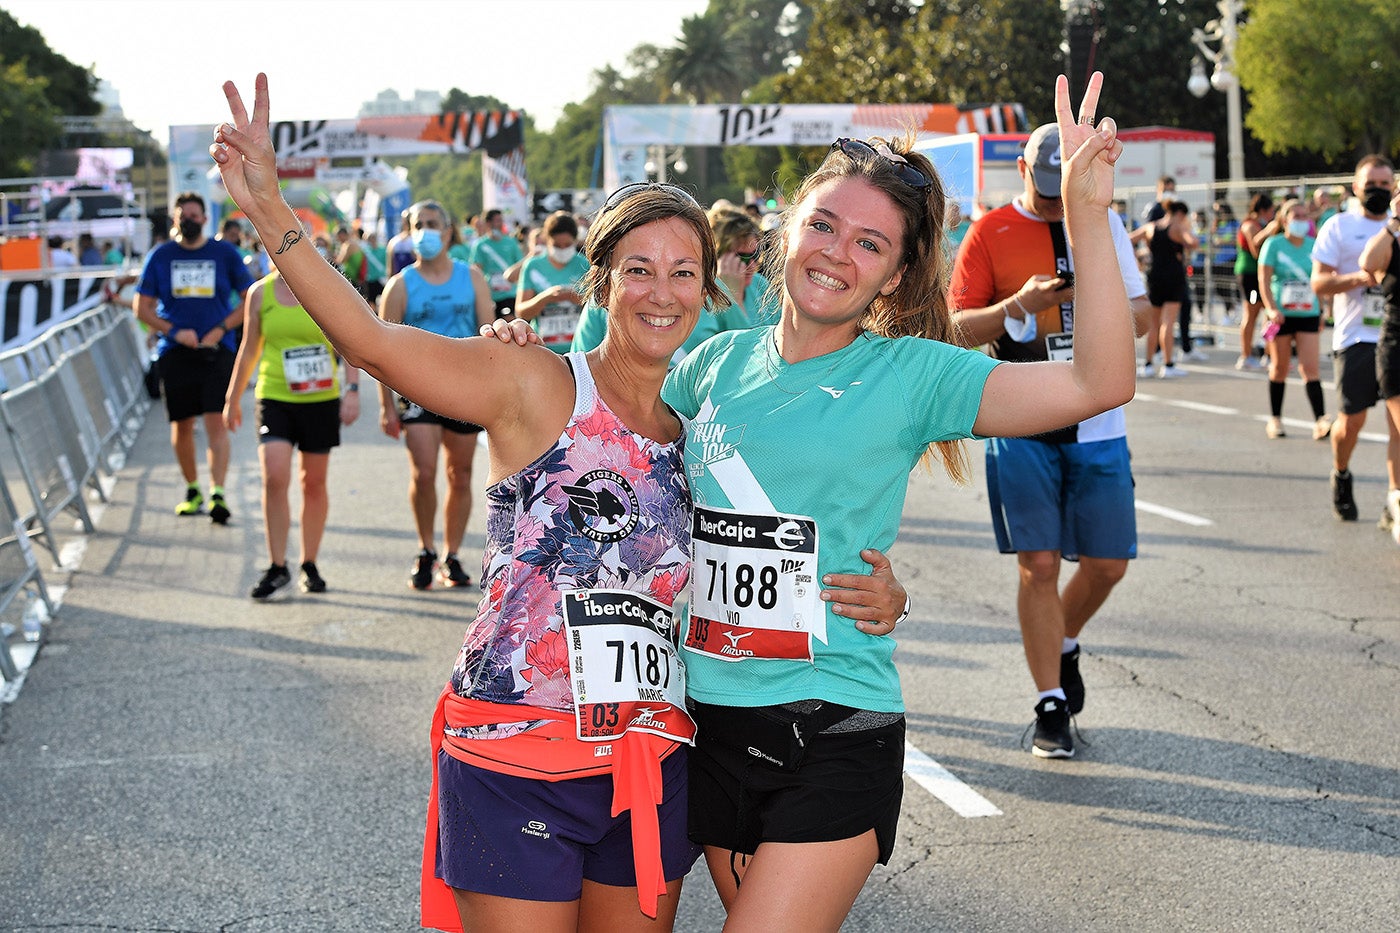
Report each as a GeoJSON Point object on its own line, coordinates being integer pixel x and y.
{"type": "Point", "coordinates": [629, 130]}
{"type": "Point", "coordinates": [352, 151]}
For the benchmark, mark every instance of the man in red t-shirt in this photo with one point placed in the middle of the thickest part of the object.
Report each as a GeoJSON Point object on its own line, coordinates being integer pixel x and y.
{"type": "Point", "coordinates": [1069, 493]}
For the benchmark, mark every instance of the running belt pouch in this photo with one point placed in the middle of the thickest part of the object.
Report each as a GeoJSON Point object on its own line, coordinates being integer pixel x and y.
{"type": "Point", "coordinates": [770, 735]}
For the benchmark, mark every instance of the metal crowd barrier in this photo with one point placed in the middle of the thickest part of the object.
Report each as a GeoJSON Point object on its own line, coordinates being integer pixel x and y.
{"type": "Point", "coordinates": [72, 402]}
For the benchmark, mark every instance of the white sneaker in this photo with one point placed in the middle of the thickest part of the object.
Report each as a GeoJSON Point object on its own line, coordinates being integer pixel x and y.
{"type": "Point", "coordinates": [1146, 371]}
{"type": "Point", "coordinates": [1196, 355]}
{"type": "Point", "coordinates": [1322, 427]}
{"type": "Point", "coordinates": [1247, 363]}
{"type": "Point", "coordinates": [1171, 371]}
{"type": "Point", "coordinates": [1273, 428]}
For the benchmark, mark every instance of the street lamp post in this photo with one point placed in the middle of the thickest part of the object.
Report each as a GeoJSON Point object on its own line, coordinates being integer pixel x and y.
{"type": "Point", "coordinates": [661, 157]}
{"type": "Point", "coordinates": [1224, 30]}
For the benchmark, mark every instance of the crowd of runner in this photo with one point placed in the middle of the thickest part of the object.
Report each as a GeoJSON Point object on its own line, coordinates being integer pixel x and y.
{"type": "Point", "coordinates": [648, 376]}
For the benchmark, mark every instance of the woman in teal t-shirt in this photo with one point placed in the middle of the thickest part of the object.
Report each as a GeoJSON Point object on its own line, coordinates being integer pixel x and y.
{"type": "Point", "coordinates": [549, 292]}
{"type": "Point", "coordinates": [1294, 315]}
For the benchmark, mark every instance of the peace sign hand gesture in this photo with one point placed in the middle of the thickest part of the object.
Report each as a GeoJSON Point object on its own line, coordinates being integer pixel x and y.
{"type": "Point", "coordinates": [243, 151]}
{"type": "Point", "coordinates": [1087, 154]}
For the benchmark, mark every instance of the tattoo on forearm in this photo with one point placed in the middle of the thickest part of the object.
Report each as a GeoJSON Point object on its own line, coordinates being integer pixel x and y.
{"type": "Point", "coordinates": [289, 239]}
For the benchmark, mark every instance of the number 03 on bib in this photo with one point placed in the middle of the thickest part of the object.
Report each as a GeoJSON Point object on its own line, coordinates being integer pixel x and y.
{"type": "Point", "coordinates": [626, 671]}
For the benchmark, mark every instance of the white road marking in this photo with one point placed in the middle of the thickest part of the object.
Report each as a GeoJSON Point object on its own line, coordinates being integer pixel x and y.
{"type": "Point", "coordinates": [940, 782]}
{"type": "Point", "coordinates": [1193, 406]}
{"type": "Point", "coordinates": [1186, 518]}
{"type": "Point", "coordinates": [1371, 436]}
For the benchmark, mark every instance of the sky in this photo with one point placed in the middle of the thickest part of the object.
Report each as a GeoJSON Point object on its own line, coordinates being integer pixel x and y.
{"type": "Point", "coordinates": [168, 59]}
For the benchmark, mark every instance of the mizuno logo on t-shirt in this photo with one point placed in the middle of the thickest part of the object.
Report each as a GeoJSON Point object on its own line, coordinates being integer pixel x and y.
{"type": "Point", "coordinates": [836, 393]}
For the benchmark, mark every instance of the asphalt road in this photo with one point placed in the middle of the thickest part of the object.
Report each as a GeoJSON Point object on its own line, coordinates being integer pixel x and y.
{"type": "Point", "coordinates": [182, 759]}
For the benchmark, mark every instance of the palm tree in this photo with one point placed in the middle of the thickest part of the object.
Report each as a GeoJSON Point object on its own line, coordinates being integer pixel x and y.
{"type": "Point", "coordinates": [701, 67]}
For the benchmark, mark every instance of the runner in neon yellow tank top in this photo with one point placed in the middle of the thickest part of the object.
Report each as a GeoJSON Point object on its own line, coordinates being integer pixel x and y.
{"type": "Point", "coordinates": [299, 406]}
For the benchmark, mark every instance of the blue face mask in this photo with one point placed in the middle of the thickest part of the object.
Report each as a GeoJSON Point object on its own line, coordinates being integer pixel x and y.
{"type": "Point", "coordinates": [1298, 228]}
{"type": "Point", "coordinates": [427, 243]}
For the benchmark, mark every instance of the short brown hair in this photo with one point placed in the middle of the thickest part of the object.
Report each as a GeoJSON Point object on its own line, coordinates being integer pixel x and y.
{"type": "Point", "coordinates": [648, 204]}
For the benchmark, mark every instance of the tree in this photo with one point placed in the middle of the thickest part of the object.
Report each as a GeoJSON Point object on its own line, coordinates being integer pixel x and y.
{"type": "Point", "coordinates": [37, 85]}
{"type": "Point", "coordinates": [1330, 87]}
{"type": "Point", "coordinates": [28, 119]}
{"type": "Point", "coordinates": [700, 68]}
{"type": "Point", "coordinates": [566, 157]}
{"type": "Point", "coordinates": [69, 88]}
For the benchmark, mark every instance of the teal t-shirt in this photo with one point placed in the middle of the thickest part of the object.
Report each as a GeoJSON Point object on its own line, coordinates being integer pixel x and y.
{"type": "Point", "coordinates": [592, 328]}
{"type": "Point", "coordinates": [1291, 278]}
{"type": "Point", "coordinates": [760, 307]}
{"type": "Point", "coordinates": [831, 439]}
{"type": "Point", "coordinates": [495, 257]}
{"type": "Point", "coordinates": [558, 320]}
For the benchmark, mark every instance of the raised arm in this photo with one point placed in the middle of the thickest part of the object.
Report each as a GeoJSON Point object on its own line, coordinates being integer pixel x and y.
{"type": "Point", "coordinates": [412, 361]}
{"type": "Point", "coordinates": [1102, 375]}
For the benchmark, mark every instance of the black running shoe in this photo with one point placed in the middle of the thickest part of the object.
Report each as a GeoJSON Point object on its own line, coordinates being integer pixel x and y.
{"type": "Point", "coordinates": [422, 576]}
{"type": "Point", "coordinates": [272, 580]}
{"type": "Point", "coordinates": [218, 508]}
{"type": "Point", "coordinates": [1342, 502]}
{"type": "Point", "coordinates": [311, 581]}
{"type": "Point", "coordinates": [452, 572]}
{"type": "Point", "coordinates": [1052, 738]}
{"type": "Point", "coordinates": [1070, 681]}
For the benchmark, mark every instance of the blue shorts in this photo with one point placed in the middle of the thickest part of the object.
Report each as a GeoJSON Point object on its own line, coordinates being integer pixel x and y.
{"type": "Point", "coordinates": [537, 840]}
{"type": "Point", "coordinates": [1072, 498]}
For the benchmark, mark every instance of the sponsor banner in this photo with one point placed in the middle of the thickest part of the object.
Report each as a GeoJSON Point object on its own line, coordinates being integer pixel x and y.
{"type": "Point", "coordinates": [32, 306]}
{"type": "Point", "coordinates": [305, 147]}
{"type": "Point", "coordinates": [628, 130]}
{"type": "Point", "coordinates": [504, 186]}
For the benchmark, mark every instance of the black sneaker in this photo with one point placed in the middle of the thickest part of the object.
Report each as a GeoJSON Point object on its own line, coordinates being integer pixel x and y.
{"type": "Point", "coordinates": [218, 508]}
{"type": "Point", "coordinates": [452, 572]}
{"type": "Point", "coordinates": [1342, 502]}
{"type": "Point", "coordinates": [1052, 738]}
{"type": "Point", "coordinates": [311, 581]}
{"type": "Point", "coordinates": [1070, 681]}
{"type": "Point", "coordinates": [422, 576]}
{"type": "Point", "coordinates": [272, 580]}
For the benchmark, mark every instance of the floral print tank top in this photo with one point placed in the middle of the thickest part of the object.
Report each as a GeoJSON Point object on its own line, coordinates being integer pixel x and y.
{"type": "Point", "coordinates": [602, 508]}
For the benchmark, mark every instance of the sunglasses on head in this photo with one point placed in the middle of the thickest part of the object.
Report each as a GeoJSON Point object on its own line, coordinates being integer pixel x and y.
{"type": "Point", "coordinates": [626, 191]}
{"type": "Point", "coordinates": [860, 150]}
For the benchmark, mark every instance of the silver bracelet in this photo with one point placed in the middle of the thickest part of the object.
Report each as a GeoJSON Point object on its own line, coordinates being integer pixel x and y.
{"type": "Point", "coordinates": [908, 605]}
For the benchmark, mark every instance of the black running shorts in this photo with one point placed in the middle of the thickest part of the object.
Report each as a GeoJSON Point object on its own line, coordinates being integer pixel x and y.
{"type": "Point", "coordinates": [195, 381]}
{"type": "Point", "coordinates": [1355, 371]}
{"type": "Point", "coordinates": [848, 784]}
{"type": "Point", "coordinates": [314, 427]}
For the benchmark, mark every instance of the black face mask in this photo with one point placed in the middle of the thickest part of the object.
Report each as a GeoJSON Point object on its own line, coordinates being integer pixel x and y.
{"type": "Point", "coordinates": [190, 229]}
{"type": "Point", "coordinates": [1376, 200]}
